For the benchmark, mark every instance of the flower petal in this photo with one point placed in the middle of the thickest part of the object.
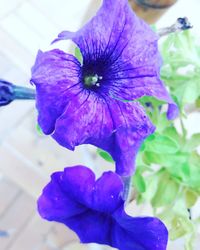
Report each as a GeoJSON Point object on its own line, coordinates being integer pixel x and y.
{"type": "Point", "coordinates": [109, 36]}
{"type": "Point", "coordinates": [78, 183]}
{"type": "Point", "coordinates": [56, 76]}
{"type": "Point", "coordinates": [55, 204]}
{"type": "Point", "coordinates": [92, 227]}
{"type": "Point", "coordinates": [128, 47]}
{"type": "Point", "coordinates": [86, 120]}
{"type": "Point", "coordinates": [129, 88]}
{"type": "Point", "coordinates": [141, 233]}
{"type": "Point", "coordinates": [106, 196]}
{"type": "Point", "coordinates": [62, 201]}
{"type": "Point", "coordinates": [112, 125]}
{"type": "Point", "coordinates": [103, 195]}
{"type": "Point", "coordinates": [95, 211]}
{"type": "Point", "coordinates": [132, 127]}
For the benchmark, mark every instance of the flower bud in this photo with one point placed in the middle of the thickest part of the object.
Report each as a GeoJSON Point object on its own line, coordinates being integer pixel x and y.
{"type": "Point", "coordinates": [10, 92]}
{"type": "Point", "coordinates": [6, 93]}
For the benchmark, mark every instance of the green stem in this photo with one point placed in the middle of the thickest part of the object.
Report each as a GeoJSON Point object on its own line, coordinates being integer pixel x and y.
{"type": "Point", "coordinates": [184, 131]}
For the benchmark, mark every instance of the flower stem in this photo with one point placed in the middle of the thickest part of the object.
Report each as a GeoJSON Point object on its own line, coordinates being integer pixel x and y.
{"type": "Point", "coordinates": [181, 24]}
{"type": "Point", "coordinates": [127, 186]}
{"type": "Point", "coordinates": [184, 131]}
{"type": "Point", "coordinates": [10, 92]}
{"type": "Point", "coordinates": [23, 93]}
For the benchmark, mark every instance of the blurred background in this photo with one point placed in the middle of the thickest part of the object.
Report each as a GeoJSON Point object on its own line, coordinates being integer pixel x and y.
{"type": "Point", "coordinates": [26, 157]}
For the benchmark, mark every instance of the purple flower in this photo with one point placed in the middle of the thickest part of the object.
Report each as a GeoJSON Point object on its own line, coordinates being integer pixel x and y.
{"type": "Point", "coordinates": [87, 104]}
{"type": "Point", "coordinates": [95, 211]}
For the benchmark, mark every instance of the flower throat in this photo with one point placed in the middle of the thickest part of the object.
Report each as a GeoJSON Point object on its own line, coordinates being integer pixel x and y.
{"type": "Point", "coordinates": [92, 81]}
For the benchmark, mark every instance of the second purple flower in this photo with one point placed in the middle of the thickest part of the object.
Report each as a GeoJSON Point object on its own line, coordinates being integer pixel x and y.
{"type": "Point", "coordinates": [94, 210]}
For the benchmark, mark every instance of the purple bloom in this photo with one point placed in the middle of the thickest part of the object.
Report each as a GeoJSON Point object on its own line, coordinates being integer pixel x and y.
{"type": "Point", "coordinates": [94, 209]}
{"type": "Point", "coordinates": [86, 104]}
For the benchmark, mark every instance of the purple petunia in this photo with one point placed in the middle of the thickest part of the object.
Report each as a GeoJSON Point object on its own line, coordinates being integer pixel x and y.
{"type": "Point", "coordinates": [87, 104]}
{"type": "Point", "coordinates": [94, 210]}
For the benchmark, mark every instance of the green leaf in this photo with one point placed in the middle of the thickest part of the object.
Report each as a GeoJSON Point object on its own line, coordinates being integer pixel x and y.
{"type": "Point", "coordinates": [190, 198]}
{"type": "Point", "coordinates": [106, 156]}
{"type": "Point", "coordinates": [180, 227]}
{"type": "Point", "coordinates": [39, 130]}
{"type": "Point", "coordinates": [162, 123]}
{"type": "Point", "coordinates": [188, 91]}
{"type": "Point", "coordinates": [192, 143]}
{"type": "Point", "coordinates": [181, 67]}
{"type": "Point", "coordinates": [139, 182]}
{"type": "Point", "coordinates": [180, 171]}
{"type": "Point", "coordinates": [173, 162]}
{"type": "Point", "coordinates": [151, 157]}
{"type": "Point", "coordinates": [166, 193]}
{"type": "Point", "coordinates": [152, 185]}
{"type": "Point", "coordinates": [171, 132]}
{"type": "Point", "coordinates": [78, 55]}
{"type": "Point", "coordinates": [193, 180]}
{"type": "Point", "coordinates": [189, 242]}
{"type": "Point", "coordinates": [176, 218]}
{"type": "Point", "coordinates": [198, 102]}
{"type": "Point", "coordinates": [161, 144]}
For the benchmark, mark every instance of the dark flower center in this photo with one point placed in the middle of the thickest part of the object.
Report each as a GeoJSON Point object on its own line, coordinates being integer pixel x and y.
{"type": "Point", "coordinates": [92, 81]}
{"type": "Point", "coordinates": [94, 74]}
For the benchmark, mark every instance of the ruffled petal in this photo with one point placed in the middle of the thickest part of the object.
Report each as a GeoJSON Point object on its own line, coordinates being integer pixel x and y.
{"type": "Point", "coordinates": [107, 192]}
{"type": "Point", "coordinates": [86, 120]}
{"type": "Point", "coordinates": [127, 47]}
{"type": "Point", "coordinates": [95, 212]}
{"type": "Point", "coordinates": [132, 126]}
{"type": "Point", "coordinates": [55, 204]}
{"type": "Point", "coordinates": [141, 233]}
{"type": "Point", "coordinates": [56, 76]}
{"type": "Point", "coordinates": [131, 88]}
{"type": "Point", "coordinates": [76, 186]}
{"type": "Point", "coordinates": [103, 195]}
{"type": "Point", "coordinates": [78, 183]}
{"type": "Point", "coordinates": [112, 125]}
{"type": "Point", "coordinates": [62, 201]}
{"type": "Point", "coordinates": [110, 36]}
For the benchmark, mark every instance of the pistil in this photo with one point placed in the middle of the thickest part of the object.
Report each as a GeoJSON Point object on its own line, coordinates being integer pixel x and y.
{"type": "Point", "coordinates": [93, 80]}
